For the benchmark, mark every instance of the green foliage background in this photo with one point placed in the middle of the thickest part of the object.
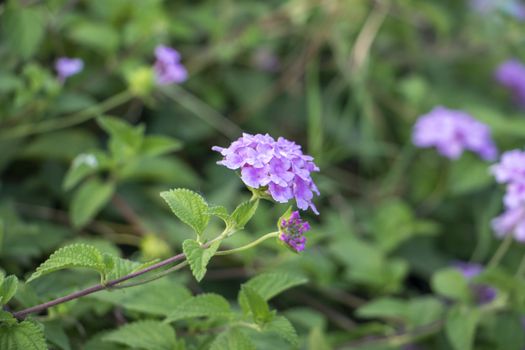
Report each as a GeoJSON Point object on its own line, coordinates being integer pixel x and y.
{"type": "Point", "coordinates": [344, 78]}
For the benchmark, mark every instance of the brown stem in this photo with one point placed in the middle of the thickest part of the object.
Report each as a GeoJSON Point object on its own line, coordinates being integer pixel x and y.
{"type": "Point", "coordinates": [90, 290]}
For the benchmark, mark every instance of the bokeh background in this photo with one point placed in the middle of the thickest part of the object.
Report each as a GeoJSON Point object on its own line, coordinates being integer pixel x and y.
{"type": "Point", "coordinates": [346, 79]}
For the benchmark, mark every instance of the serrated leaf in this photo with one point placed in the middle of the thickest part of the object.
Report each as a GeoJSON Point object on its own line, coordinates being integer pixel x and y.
{"type": "Point", "coordinates": [148, 334]}
{"type": "Point", "coordinates": [189, 207]}
{"type": "Point", "coordinates": [76, 255]}
{"type": "Point", "coordinates": [243, 213]}
{"type": "Point", "coordinates": [8, 289]}
{"type": "Point", "coordinates": [254, 304]}
{"type": "Point", "coordinates": [283, 328]}
{"type": "Point", "coordinates": [270, 284]}
{"type": "Point", "coordinates": [89, 199]}
{"type": "Point", "coordinates": [158, 145]}
{"type": "Point", "coordinates": [232, 339]}
{"type": "Point", "coordinates": [198, 257]}
{"type": "Point", "coordinates": [204, 305]}
{"type": "Point", "coordinates": [121, 267]}
{"type": "Point", "coordinates": [7, 318]}
{"type": "Point", "coordinates": [450, 282]}
{"type": "Point", "coordinates": [220, 212]}
{"type": "Point", "coordinates": [25, 335]}
{"type": "Point", "coordinates": [460, 327]}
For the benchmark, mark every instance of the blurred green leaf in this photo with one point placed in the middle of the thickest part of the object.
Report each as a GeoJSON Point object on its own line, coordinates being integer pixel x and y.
{"type": "Point", "coordinates": [460, 327]}
{"type": "Point", "coordinates": [26, 335]}
{"type": "Point", "coordinates": [232, 339]}
{"type": "Point", "coordinates": [450, 282]}
{"type": "Point", "coordinates": [203, 305]}
{"type": "Point", "coordinates": [23, 29]}
{"type": "Point", "coordinates": [145, 334]}
{"type": "Point", "coordinates": [88, 200]}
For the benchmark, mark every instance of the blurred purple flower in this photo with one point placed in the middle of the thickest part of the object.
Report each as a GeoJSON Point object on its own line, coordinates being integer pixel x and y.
{"type": "Point", "coordinates": [67, 67]}
{"type": "Point", "coordinates": [266, 60]}
{"type": "Point", "coordinates": [511, 167]}
{"type": "Point", "coordinates": [279, 167]}
{"type": "Point", "coordinates": [168, 69]}
{"type": "Point", "coordinates": [483, 293]}
{"type": "Point", "coordinates": [513, 8]}
{"type": "Point", "coordinates": [511, 222]}
{"type": "Point", "coordinates": [292, 232]}
{"type": "Point", "coordinates": [452, 132]}
{"type": "Point", "coordinates": [511, 74]}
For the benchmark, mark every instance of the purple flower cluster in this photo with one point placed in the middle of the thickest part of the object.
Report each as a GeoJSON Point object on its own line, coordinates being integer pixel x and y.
{"type": "Point", "coordinates": [511, 171]}
{"type": "Point", "coordinates": [511, 75]}
{"type": "Point", "coordinates": [514, 8]}
{"type": "Point", "coordinates": [452, 132]}
{"type": "Point", "coordinates": [67, 67]}
{"type": "Point", "coordinates": [279, 167]}
{"type": "Point", "coordinates": [168, 68]}
{"type": "Point", "coordinates": [292, 232]}
{"type": "Point", "coordinates": [483, 293]}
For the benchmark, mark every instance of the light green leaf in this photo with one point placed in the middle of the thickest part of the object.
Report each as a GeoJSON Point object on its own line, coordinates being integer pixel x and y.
{"type": "Point", "coordinates": [317, 340]}
{"type": "Point", "coordinates": [232, 339]}
{"type": "Point", "coordinates": [283, 328]}
{"type": "Point", "coordinates": [7, 318]}
{"type": "Point", "coordinates": [243, 213]}
{"type": "Point", "coordinates": [125, 139]}
{"type": "Point", "coordinates": [189, 207]}
{"type": "Point", "coordinates": [383, 307]}
{"type": "Point", "coordinates": [270, 284]}
{"type": "Point", "coordinates": [89, 199]}
{"type": "Point", "coordinates": [450, 282]}
{"type": "Point", "coordinates": [54, 332]}
{"type": "Point", "coordinates": [23, 29]}
{"type": "Point", "coordinates": [460, 327]}
{"type": "Point", "coordinates": [204, 305]}
{"type": "Point", "coordinates": [76, 255]}
{"type": "Point", "coordinates": [148, 334]}
{"type": "Point", "coordinates": [26, 335]}
{"type": "Point", "coordinates": [97, 36]}
{"type": "Point", "coordinates": [158, 145]}
{"type": "Point", "coordinates": [198, 256]}
{"type": "Point", "coordinates": [220, 212]}
{"type": "Point", "coordinates": [254, 304]}
{"type": "Point", "coordinates": [8, 289]}
{"type": "Point", "coordinates": [119, 267]}
{"type": "Point", "coordinates": [83, 165]}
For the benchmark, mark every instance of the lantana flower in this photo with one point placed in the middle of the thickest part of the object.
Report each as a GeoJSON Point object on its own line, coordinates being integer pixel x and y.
{"type": "Point", "coordinates": [511, 75]}
{"type": "Point", "coordinates": [67, 67]}
{"type": "Point", "coordinates": [277, 167]}
{"type": "Point", "coordinates": [168, 68]}
{"type": "Point", "coordinates": [292, 230]}
{"type": "Point", "coordinates": [452, 132]}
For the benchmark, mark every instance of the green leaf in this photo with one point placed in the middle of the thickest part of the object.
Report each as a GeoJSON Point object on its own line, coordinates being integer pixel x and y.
{"type": "Point", "coordinates": [148, 334]}
{"type": "Point", "coordinates": [317, 340]}
{"type": "Point", "coordinates": [243, 213]}
{"type": "Point", "coordinates": [199, 257]}
{"type": "Point", "coordinates": [450, 282]}
{"type": "Point", "coordinates": [157, 298]}
{"type": "Point", "coordinates": [232, 339]}
{"type": "Point", "coordinates": [26, 335]}
{"type": "Point", "coordinates": [89, 199]}
{"type": "Point", "coordinates": [158, 145]}
{"type": "Point", "coordinates": [460, 327]}
{"type": "Point", "coordinates": [254, 304]}
{"type": "Point", "coordinates": [189, 207]}
{"type": "Point", "coordinates": [7, 319]}
{"type": "Point", "coordinates": [125, 139]}
{"type": "Point", "coordinates": [23, 29]}
{"type": "Point", "coordinates": [83, 165]}
{"type": "Point", "coordinates": [204, 305]}
{"type": "Point", "coordinates": [220, 212]}
{"type": "Point", "coordinates": [270, 284]}
{"type": "Point", "coordinates": [76, 255]}
{"type": "Point", "coordinates": [119, 267]}
{"type": "Point", "coordinates": [55, 333]}
{"type": "Point", "coordinates": [8, 289]}
{"type": "Point", "coordinates": [97, 36]}
{"type": "Point", "coordinates": [284, 329]}
{"type": "Point", "coordinates": [383, 307]}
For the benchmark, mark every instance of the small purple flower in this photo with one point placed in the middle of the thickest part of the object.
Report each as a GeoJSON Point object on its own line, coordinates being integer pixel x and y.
{"type": "Point", "coordinates": [513, 8]}
{"type": "Point", "coordinates": [292, 232]}
{"type": "Point", "coordinates": [279, 167]}
{"type": "Point", "coordinates": [483, 293]}
{"type": "Point", "coordinates": [452, 132]}
{"type": "Point", "coordinates": [168, 69]}
{"type": "Point", "coordinates": [67, 67]}
{"type": "Point", "coordinates": [266, 60]}
{"type": "Point", "coordinates": [511, 75]}
{"type": "Point", "coordinates": [511, 167]}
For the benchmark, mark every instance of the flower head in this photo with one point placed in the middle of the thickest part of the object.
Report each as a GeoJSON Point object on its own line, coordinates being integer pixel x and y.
{"type": "Point", "coordinates": [511, 75]}
{"type": "Point", "coordinates": [483, 293]}
{"type": "Point", "coordinates": [278, 167]}
{"type": "Point", "coordinates": [292, 232]}
{"type": "Point", "coordinates": [452, 132]}
{"type": "Point", "coordinates": [511, 222]}
{"type": "Point", "coordinates": [67, 67]}
{"type": "Point", "coordinates": [168, 69]}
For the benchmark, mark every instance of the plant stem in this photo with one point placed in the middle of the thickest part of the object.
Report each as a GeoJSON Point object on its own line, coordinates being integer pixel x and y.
{"type": "Point", "coordinates": [501, 251]}
{"type": "Point", "coordinates": [249, 245]}
{"type": "Point", "coordinates": [64, 122]}
{"type": "Point", "coordinates": [156, 277]}
{"type": "Point", "coordinates": [96, 288]}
